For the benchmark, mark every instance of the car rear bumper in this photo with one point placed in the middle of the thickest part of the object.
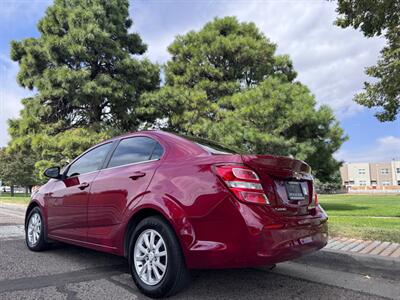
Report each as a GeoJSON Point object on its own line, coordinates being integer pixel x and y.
{"type": "Point", "coordinates": [255, 239]}
{"type": "Point", "coordinates": [279, 245]}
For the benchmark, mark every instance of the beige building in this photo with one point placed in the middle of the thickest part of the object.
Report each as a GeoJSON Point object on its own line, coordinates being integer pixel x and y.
{"type": "Point", "coordinates": [396, 171]}
{"type": "Point", "coordinates": [358, 174]}
{"type": "Point", "coordinates": [371, 174]}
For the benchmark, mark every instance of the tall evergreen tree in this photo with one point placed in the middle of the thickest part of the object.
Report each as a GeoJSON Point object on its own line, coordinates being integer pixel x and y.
{"type": "Point", "coordinates": [85, 64]}
{"type": "Point", "coordinates": [87, 73]}
{"type": "Point", "coordinates": [226, 83]}
{"type": "Point", "coordinates": [224, 57]}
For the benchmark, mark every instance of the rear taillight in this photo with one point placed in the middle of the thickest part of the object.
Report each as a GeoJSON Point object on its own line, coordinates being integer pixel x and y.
{"type": "Point", "coordinates": [314, 200]}
{"type": "Point", "coordinates": [243, 182]}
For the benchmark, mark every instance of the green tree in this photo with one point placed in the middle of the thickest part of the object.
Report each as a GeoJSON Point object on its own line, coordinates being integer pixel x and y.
{"type": "Point", "coordinates": [226, 83]}
{"type": "Point", "coordinates": [330, 187]}
{"type": "Point", "coordinates": [16, 169]}
{"type": "Point", "coordinates": [47, 145]}
{"type": "Point", "coordinates": [87, 73]}
{"type": "Point", "coordinates": [376, 18]}
{"type": "Point", "coordinates": [85, 65]}
{"type": "Point", "coordinates": [224, 57]}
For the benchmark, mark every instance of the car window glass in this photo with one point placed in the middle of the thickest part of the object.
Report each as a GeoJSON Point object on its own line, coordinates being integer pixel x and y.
{"type": "Point", "coordinates": [210, 146]}
{"type": "Point", "coordinates": [132, 150]}
{"type": "Point", "coordinates": [157, 152]}
{"type": "Point", "coordinates": [90, 161]}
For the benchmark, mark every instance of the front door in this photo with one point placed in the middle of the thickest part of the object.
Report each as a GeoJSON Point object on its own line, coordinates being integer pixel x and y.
{"type": "Point", "coordinates": [124, 180]}
{"type": "Point", "coordinates": [68, 199]}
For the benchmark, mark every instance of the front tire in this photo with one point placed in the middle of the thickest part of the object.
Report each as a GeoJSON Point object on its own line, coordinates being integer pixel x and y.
{"type": "Point", "coordinates": [34, 231]}
{"type": "Point", "coordinates": [155, 259]}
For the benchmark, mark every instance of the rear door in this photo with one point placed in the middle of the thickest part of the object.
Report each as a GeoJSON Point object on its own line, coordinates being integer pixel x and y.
{"type": "Point", "coordinates": [287, 182]}
{"type": "Point", "coordinates": [125, 179]}
{"type": "Point", "coordinates": [67, 202]}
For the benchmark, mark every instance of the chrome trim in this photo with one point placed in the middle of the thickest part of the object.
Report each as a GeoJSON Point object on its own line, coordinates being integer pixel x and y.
{"type": "Point", "coordinates": [80, 175]}
{"type": "Point", "coordinates": [136, 163]}
{"type": "Point", "coordinates": [99, 170]}
{"type": "Point", "coordinates": [244, 185]}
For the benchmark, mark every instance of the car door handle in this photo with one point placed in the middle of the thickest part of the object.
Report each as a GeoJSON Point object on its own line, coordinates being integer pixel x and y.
{"type": "Point", "coordinates": [137, 175]}
{"type": "Point", "coordinates": [83, 185]}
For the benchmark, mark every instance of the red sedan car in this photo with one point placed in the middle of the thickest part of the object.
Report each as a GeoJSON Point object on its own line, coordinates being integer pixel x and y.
{"type": "Point", "coordinates": [170, 203]}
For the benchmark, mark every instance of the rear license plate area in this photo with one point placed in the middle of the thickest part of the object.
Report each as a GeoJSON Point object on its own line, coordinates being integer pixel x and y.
{"type": "Point", "coordinates": [294, 191]}
{"type": "Point", "coordinates": [306, 240]}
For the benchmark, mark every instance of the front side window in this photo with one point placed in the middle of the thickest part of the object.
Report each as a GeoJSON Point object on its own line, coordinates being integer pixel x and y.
{"type": "Point", "coordinates": [132, 150]}
{"type": "Point", "coordinates": [90, 161]}
{"type": "Point", "coordinates": [361, 171]}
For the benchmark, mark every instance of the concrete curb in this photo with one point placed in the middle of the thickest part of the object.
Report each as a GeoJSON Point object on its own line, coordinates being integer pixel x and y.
{"type": "Point", "coordinates": [372, 265]}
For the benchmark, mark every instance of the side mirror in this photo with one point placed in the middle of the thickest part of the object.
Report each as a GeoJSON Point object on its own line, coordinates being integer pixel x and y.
{"type": "Point", "coordinates": [53, 172]}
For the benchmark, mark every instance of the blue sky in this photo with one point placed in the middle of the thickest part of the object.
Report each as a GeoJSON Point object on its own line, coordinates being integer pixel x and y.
{"type": "Point", "coordinates": [329, 60]}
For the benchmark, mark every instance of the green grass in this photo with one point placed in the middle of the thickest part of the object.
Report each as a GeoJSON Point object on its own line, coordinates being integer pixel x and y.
{"type": "Point", "coordinates": [15, 200]}
{"type": "Point", "coordinates": [368, 217]}
{"type": "Point", "coordinates": [16, 195]}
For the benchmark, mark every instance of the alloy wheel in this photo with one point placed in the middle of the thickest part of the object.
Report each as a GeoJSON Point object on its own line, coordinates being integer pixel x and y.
{"type": "Point", "coordinates": [34, 229]}
{"type": "Point", "coordinates": [150, 257]}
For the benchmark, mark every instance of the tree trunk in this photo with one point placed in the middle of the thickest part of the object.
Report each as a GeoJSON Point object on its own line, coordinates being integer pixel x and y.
{"type": "Point", "coordinates": [12, 190]}
{"type": "Point", "coordinates": [26, 190]}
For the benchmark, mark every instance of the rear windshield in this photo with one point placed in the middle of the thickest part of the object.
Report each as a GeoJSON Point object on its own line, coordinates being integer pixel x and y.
{"type": "Point", "coordinates": [210, 146]}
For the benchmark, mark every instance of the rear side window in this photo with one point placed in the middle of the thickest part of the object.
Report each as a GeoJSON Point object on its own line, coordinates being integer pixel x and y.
{"type": "Point", "coordinates": [132, 150]}
{"type": "Point", "coordinates": [157, 152]}
{"type": "Point", "coordinates": [212, 147]}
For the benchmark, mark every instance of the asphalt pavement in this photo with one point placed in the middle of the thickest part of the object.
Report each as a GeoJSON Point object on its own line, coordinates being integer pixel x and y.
{"type": "Point", "coordinates": [68, 272]}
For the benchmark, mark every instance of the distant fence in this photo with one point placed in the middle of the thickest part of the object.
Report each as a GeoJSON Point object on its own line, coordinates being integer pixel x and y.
{"type": "Point", "coordinates": [379, 189]}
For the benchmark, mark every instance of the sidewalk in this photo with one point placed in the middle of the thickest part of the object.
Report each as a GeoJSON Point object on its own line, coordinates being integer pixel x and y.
{"type": "Point", "coordinates": [370, 258]}
{"type": "Point", "coordinates": [384, 249]}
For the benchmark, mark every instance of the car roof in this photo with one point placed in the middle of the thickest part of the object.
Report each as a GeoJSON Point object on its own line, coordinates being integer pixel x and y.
{"type": "Point", "coordinates": [175, 143]}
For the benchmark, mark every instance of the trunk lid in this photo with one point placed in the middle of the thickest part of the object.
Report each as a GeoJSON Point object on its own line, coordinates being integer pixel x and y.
{"type": "Point", "coordinates": [287, 182]}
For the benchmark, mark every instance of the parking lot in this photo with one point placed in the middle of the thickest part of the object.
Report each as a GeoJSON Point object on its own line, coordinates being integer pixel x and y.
{"type": "Point", "coordinates": [67, 272]}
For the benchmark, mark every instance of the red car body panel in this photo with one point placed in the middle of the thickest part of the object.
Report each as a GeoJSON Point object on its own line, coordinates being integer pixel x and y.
{"type": "Point", "coordinates": [214, 228]}
{"type": "Point", "coordinates": [67, 207]}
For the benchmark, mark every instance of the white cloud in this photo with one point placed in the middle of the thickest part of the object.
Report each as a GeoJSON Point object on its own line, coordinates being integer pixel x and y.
{"type": "Point", "coordinates": [383, 149]}
{"type": "Point", "coordinates": [10, 95]}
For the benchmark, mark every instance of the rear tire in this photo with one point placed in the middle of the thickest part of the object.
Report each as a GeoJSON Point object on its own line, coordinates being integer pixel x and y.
{"type": "Point", "coordinates": [35, 231]}
{"type": "Point", "coordinates": [155, 258]}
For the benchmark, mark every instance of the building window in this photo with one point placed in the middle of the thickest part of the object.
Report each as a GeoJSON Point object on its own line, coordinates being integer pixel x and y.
{"type": "Point", "coordinates": [351, 182]}
{"type": "Point", "coordinates": [398, 182]}
{"type": "Point", "coordinates": [361, 171]}
{"type": "Point", "coordinates": [373, 182]}
{"type": "Point", "coordinates": [362, 182]}
{"type": "Point", "coordinates": [398, 170]}
{"type": "Point", "coordinates": [384, 171]}
{"type": "Point", "coordinates": [386, 183]}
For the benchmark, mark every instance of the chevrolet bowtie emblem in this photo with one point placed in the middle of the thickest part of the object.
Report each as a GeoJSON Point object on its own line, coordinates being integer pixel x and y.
{"type": "Point", "coordinates": [297, 175]}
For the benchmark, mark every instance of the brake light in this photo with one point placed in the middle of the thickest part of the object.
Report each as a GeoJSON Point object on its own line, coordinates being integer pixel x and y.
{"type": "Point", "coordinates": [243, 182]}
{"type": "Point", "coordinates": [314, 200]}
